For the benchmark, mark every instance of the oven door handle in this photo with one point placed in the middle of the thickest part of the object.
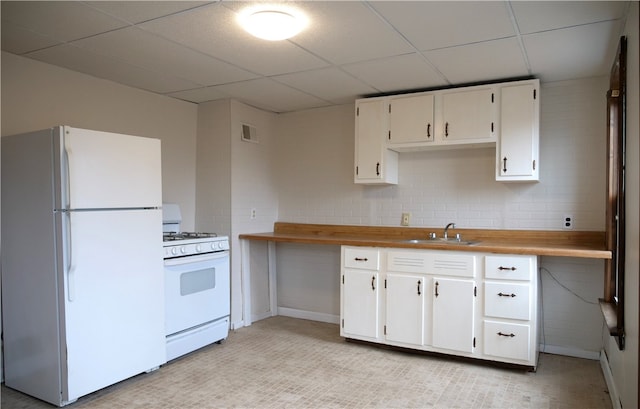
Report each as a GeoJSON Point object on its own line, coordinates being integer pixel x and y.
{"type": "Point", "coordinates": [196, 257]}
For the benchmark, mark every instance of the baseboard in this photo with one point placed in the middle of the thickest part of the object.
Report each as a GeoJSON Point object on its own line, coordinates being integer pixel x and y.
{"type": "Point", "coordinates": [608, 378]}
{"type": "Point", "coordinates": [237, 324]}
{"type": "Point", "coordinates": [309, 315]}
{"type": "Point", "coordinates": [574, 352]}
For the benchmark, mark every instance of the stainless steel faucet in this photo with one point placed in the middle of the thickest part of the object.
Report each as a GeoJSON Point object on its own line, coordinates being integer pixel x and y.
{"type": "Point", "coordinates": [446, 229]}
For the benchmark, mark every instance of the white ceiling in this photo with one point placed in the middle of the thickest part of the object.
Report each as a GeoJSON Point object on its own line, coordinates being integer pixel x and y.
{"type": "Point", "coordinates": [195, 51]}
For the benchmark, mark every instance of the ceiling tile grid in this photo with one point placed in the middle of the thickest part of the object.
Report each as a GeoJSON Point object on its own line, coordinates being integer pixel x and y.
{"type": "Point", "coordinates": [196, 51]}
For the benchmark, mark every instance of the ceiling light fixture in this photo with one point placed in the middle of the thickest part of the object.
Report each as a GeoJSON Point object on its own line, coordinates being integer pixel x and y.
{"type": "Point", "coordinates": [273, 23]}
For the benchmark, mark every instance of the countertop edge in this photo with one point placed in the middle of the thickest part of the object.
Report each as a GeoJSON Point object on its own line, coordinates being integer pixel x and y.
{"type": "Point", "coordinates": [548, 248]}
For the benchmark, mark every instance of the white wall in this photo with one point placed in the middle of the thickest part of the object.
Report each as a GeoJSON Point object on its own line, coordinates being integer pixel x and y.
{"type": "Point", "coordinates": [315, 185]}
{"type": "Point", "coordinates": [234, 177]}
{"type": "Point", "coordinates": [37, 95]}
{"type": "Point", "coordinates": [624, 364]}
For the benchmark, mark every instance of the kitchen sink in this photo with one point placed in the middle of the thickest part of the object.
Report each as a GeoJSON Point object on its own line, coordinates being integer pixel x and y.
{"type": "Point", "coordinates": [442, 240]}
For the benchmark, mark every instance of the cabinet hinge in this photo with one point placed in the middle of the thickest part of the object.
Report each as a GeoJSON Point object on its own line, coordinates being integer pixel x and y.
{"type": "Point", "coordinates": [343, 323]}
{"type": "Point", "coordinates": [534, 164]}
{"type": "Point", "coordinates": [389, 108]}
{"type": "Point", "coordinates": [535, 93]}
{"type": "Point", "coordinates": [343, 279]}
{"type": "Point", "coordinates": [492, 98]}
{"type": "Point", "coordinates": [475, 291]}
{"type": "Point", "coordinates": [358, 111]}
{"type": "Point", "coordinates": [389, 135]}
{"type": "Point", "coordinates": [356, 170]}
{"type": "Point", "coordinates": [474, 342]}
{"type": "Point", "coordinates": [385, 330]}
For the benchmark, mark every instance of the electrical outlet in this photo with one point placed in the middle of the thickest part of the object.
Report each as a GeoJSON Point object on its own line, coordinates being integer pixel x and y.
{"type": "Point", "coordinates": [567, 221]}
{"type": "Point", "coordinates": [253, 213]}
{"type": "Point", "coordinates": [406, 217]}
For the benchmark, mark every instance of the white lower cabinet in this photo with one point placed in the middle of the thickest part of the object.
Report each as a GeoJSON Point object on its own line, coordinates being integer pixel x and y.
{"type": "Point", "coordinates": [405, 296]}
{"type": "Point", "coordinates": [360, 294]}
{"type": "Point", "coordinates": [460, 303]}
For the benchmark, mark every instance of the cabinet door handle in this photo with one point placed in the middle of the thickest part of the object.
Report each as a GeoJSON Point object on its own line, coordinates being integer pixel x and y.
{"type": "Point", "coordinates": [437, 284]}
{"type": "Point", "coordinates": [504, 164]}
{"type": "Point", "coordinates": [446, 129]}
{"type": "Point", "coordinates": [419, 287]}
{"type": "Point", "coordinates": [361, 259]}
{"type": "Point", "coordinates": [507, 268]}
{"type": "Point", "coordinates": [378, 169]}
{"type": "Point", "coordinates": [510, 335]}
{"type": "Point", "coordinates": [373, 283]}
{"type": "Point", "coordinates": [506, 295]}
{"type": "Point", "coordinates": [428, 130]}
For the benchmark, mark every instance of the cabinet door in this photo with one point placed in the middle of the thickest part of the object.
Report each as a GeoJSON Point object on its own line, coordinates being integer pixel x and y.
{"type": "Point", "coordinates": [404, 308]}
{"type": "Point", "coordinates": [468, 115]}
{"type": "Point", "coordinates": [517, 152]}
{"type": "Point", "coordinates": [411, 119]}
{"type": "Point", "coordinates": [374, 163]}
{"type": "Point", "coordinates": [453, 314]}
{"type": "Point", "coordinates": [360, 303]}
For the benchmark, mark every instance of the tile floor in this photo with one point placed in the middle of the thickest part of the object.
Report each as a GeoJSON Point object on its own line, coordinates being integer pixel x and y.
{"type": "Point", "coordinates": [284, 362]}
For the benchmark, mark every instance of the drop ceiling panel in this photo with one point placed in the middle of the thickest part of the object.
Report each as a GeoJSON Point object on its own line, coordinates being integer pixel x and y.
{"type": "Point", "coordinates": [345, 32]}
{"type": "Point", "coordinates": [138, 11]}
{"type": "Point", "coordinates": [63, 20]}
{"type": "Point", "coordinates": [539, 16]}
{"type": "Point", "coordinates": [214, 31]}
{"type": "Point", "coordinates": [430, 25]}
{"type": "Point", "coordinates": [149, 51]}
{"type": "Point", "coordinates": [270, 95]}
{"type": "Point", "coordinates": [19, 40]}
{"type": "Point", "coordinates": [330, 84]}
{"type": "Point", "coordinates": [490, 60]}
{"type": "Point", "coordinates": [199, 95]}
{"type": "Point", "coordinates": [405, 72]}
{"type": "Point", "coordinates": [576, 52]}
{"type": "Point", "coordinates": [82, 60]}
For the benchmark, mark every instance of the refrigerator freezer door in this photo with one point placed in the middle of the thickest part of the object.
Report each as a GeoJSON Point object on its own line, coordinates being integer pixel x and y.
{"type": "Point", "coordinates": [114, 296]}
{"type": "Point", "coordinates": [109, 170]}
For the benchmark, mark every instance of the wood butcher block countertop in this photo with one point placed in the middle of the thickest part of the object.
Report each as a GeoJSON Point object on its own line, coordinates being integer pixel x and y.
{"type": "Point", "coordinates": [569, 243]}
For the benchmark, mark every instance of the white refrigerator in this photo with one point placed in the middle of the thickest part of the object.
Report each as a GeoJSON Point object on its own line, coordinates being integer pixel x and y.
{"type": "Point", "coordinates": [82, 261]}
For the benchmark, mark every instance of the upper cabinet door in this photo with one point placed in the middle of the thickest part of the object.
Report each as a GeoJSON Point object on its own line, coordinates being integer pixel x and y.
{"type": "Point", "coordinates": [517, 148]}
{"type": "Point", "coordinates": [468, 115]}
{"type": "Point", "coordinates": [411, 119]}
{"type": "Point", "coordinates": [375, 164]}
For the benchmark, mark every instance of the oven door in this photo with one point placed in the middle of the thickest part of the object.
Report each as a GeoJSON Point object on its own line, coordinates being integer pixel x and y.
{"type": "Point", "coordinates": [196, 290]}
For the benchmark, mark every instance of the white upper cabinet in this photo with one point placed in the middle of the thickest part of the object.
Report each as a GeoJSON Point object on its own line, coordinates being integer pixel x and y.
{"type": "Point", "coordinates": [374, 163]}
{"type": "Point", "coordinates": [468, 116]}
{"type": "Point", "coordinates": [411, 119]}
{"type": "Point", "coordinates": [517, 148]}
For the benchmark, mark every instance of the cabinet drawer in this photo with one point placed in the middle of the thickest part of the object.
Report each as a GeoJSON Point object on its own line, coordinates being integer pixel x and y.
{"type": "Point", "coordinates": [363, 258]}
{"type": "Point", "coordinates": [507, 340]}
{"type": "Point", "coordinates": [509, 268]}
{"type": "Point", "coordinates": [506, 300]}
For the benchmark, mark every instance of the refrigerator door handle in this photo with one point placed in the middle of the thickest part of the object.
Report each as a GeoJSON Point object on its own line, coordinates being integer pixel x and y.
{"type": "Point", "coordinates": [71, 288]}
{"type": "Point", "coordinates": [67, 169]}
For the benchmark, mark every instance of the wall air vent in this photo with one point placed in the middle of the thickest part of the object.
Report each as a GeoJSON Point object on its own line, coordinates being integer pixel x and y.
{"type": "Point", "coordinates": [249, 133]}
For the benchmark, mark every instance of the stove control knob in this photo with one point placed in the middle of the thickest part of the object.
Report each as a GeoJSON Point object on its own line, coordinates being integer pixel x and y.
{"type": "Point", "coordinates": [174, 251]}
{"type": "Point", "coordinates": [198, 248]}
{"type": "Point", "coordinates": [213, 246]}
{"type": "Point", "coordinates": [183, 249]}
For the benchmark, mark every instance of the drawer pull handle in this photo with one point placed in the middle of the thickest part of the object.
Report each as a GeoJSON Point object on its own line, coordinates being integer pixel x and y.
{"type": "Point", "coordinates": [511, 335]}
{"type": "Point", "coordinates": [437, 284]}
{"type": "Point", "coordinates": [506, 295]}
{"type": "Point", "coordinates": [507, 268]}
{"type": "Point", "coordinates": [419, 287]}
{"type": "Point", "coordinates": [373, 283]}
{"type": "Point", "coordinates": [361, 259]}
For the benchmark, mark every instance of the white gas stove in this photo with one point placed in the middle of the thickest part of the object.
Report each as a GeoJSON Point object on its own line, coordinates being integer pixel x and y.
{"type": "Point", "coordinates": [197, 286]}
